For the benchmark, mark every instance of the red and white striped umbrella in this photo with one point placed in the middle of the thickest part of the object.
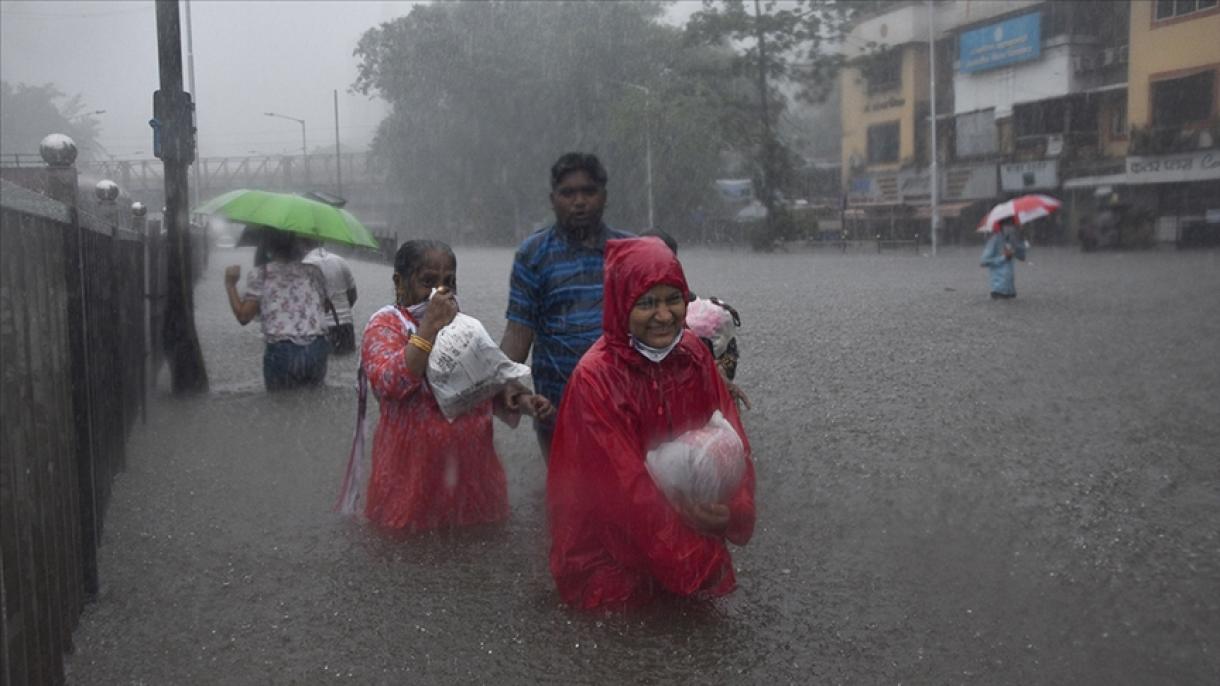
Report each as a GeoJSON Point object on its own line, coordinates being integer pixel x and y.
{"type": "Point", "coordinates": [1025, 209]}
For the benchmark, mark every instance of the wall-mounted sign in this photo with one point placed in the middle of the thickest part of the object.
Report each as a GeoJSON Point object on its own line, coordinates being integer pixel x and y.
{"type": "Point", "coordinates": [969, 182]}
{"type": "Point", "coordinates": [1020, 176]}
{"type": "Point", "coordinates": [914, 183]}
{"type": "Point", "coordinates": [863, 187]}
{"type": "Point", "coordinates": [1191, 166]}
{"type": "Point", "coordinates": [884, 104]}
{"type": "Point", "coordinates": [1007, 42]}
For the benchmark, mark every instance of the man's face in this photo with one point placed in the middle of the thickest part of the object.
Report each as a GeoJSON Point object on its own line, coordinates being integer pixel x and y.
{"type": "Point", "coordinates": [578, 202]}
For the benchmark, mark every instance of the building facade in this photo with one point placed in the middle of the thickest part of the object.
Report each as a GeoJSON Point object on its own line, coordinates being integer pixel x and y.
{"type": "Point", "coordinates": [1111, 106]}
{"type": "Point", "coordinates": [1170, 181]}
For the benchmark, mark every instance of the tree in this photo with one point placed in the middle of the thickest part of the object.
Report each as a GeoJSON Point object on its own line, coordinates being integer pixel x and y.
{"type": "Point", "coordinates": [28, 113]}
{"type": "Point", "coordinates": [775, 44]}
{"type": "Point", "coordinates": [485, 96]}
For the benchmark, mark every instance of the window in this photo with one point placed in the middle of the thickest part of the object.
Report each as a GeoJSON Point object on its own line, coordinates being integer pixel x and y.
{"type": "Point", "coordinates": [976, 134]}
{"type": "Point", "coordinates": [883, 72]}
{"type": "Point", "coordinates": [883, 142]}
{"type": "Point", "coordinates": [1041, 118]}
{"type": "Point", "coordinates": [1188, 100]}
{"type": "Point", "coordinates": [1168, 9]}
{"type": "Point", "coordinates": [1118, 120]}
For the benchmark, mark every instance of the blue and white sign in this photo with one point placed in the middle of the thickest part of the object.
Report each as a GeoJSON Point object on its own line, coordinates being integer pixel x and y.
{"type": "Point", "coordinates": [1010, 41]}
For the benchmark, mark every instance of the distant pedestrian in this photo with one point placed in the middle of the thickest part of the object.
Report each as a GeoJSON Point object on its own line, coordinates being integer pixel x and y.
{"type": "Point", "coordinates": [1004, 244]}
{"type": "Point", "coordinates": [341, 289]}
{"type": "Point", "coordinates": [555, 292]}
{"type": "Point", "coordinates": [289, 297]}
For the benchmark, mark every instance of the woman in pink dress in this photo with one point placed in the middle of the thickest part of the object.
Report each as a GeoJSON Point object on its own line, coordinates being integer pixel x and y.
{"type": "Point", "coordinates": [427, 472]}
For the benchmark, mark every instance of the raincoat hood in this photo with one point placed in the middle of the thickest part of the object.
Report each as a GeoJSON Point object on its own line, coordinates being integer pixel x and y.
{"type": "Point", "coordinates": [633, 266]}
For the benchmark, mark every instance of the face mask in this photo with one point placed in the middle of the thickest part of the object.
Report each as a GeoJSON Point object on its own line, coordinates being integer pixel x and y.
{"type": "Point", "coordinates": [418, 309]}
{"type": "Point", "coordinates": [654, 354]}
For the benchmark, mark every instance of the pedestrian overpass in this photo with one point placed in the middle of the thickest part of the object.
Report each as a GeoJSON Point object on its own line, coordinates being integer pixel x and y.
{"type": "Point", "coordinates": [353, 176]}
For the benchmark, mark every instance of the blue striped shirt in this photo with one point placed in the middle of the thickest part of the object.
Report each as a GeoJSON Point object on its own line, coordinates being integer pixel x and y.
{"type": "Point", "coordinates": [556, 291]}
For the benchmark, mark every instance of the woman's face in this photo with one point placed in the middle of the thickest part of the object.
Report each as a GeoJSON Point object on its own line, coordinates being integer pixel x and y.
{"type": "Point", "coordinates": [658, 316]}
{"type": "Point", "coordinates": [438, 269]}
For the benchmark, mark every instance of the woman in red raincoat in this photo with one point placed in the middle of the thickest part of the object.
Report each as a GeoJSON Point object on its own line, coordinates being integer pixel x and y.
{"type": "Point", "coordinates": [427, 472]}
{"type": "Point", "coordinates": [615, 539]}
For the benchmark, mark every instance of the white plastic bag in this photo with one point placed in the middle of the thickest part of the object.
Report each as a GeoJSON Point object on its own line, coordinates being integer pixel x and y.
{"type": "Point", "coordinates": [703, 465]}
{"type": "Point", "coordinates": [466, 367]}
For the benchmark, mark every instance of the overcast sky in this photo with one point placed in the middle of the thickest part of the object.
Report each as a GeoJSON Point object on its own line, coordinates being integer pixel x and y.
{"type": "Point", "coordinates": [250, 57]}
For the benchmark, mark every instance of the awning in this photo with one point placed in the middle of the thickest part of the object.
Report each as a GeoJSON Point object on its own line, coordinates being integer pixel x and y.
{"type": "Point", "coordinates": [948, 210]}
{"type": "Point", "coordinates": [1094, 181]}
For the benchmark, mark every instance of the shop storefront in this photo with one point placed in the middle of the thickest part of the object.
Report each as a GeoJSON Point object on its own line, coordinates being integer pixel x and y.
{"type": "Point", "coordinates": [1165, 199]}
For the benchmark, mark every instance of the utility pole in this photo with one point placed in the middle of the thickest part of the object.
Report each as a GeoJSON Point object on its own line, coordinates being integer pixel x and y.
{"type": "Point", "coordinates": [768, 143]}
{"type": "Point", "coordinates": [935, 150]}
{"type": "Point", "coordinates": [174, 144]}
{"type": "Point", "coordinates": [190, 75]}
{"type": "Point", "coordinates": [338, 159]}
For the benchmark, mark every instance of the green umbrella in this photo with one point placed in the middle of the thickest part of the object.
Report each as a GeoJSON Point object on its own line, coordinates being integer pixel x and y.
{"type": "Point", "coordinates": [288, 212]}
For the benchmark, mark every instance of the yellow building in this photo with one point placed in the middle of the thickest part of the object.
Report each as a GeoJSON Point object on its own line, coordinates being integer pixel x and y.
{"type": "Point", "coordinates": [1180, 46]}
{"type": "Point", "coordinates": [882, 97]}
{"type": "Point", "coordinates": [1172, 179]}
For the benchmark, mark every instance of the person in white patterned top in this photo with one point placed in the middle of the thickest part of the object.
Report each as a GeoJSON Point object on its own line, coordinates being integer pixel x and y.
{"type": "Point", "coordinates": [290, 299]}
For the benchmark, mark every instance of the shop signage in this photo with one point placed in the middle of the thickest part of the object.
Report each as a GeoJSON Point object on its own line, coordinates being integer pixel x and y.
{"type": "Point", "coordinates": [863, 187]}
{"type": "Point", "coordinates": [1192, 166]}
{"type": "Point", "coordinates": [1014, 40]}
{"type": "Point", "coordinates": [973, 182]}
{"type": "Point", "coordinates": [885, 104]}
{"type": "Point", "coordinates": [914, 184]}
{"type": "Point", "coordinates": [1020, 176]}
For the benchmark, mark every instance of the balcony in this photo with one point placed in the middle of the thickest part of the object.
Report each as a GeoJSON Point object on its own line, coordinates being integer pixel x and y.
{"type": "Point", "coordinates": [1068, 146]}
{"type": "Point", "coordinates": [1163, 140]}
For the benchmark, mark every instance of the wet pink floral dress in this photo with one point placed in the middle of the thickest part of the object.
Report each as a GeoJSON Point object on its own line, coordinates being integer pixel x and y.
{"type": "Point", "coordinates": [427, 473]}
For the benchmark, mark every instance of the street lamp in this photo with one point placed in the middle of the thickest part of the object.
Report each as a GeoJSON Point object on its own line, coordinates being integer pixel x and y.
{"type": "Point", "coordinates": [304, 149]}
{"type": "Point", "coordinates": [647, 144]}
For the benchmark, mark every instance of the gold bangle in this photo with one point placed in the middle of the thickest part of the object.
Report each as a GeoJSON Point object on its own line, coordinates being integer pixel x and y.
{"type": "Point", "coordinates": [420, 342]}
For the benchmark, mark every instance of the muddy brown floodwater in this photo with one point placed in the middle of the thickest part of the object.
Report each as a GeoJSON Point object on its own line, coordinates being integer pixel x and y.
{"type": "Point", "coordinates": [950, 490]}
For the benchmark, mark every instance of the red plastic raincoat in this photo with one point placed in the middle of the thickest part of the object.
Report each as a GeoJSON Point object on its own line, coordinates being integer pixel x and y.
{"type": "Point", "coordinates": [615, 539]}
{"type": "Point", "coordinates": [427, 472]}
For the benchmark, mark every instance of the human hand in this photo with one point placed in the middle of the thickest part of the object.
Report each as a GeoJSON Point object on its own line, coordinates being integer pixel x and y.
{"type": "Point", "coordinates": [442, 308]}
{"type": "Point", "coordinates": [232, 275]}
{"type": "Point", "coordinates": [738, 395]}
{"type": "Point", "coordinates": [537, 406]}
{"type": "Point", "coordinates": [709, 519]}
{"type": "Point", "coordinates": [1008, 252]}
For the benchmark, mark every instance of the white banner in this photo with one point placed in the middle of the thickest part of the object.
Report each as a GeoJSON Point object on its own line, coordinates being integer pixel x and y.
{"type": "Point", "coordinates": [1192, 166]}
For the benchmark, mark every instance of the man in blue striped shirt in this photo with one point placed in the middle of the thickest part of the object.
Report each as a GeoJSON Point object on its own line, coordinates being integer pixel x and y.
{"type": "Point", "coordinates": [555, 292]}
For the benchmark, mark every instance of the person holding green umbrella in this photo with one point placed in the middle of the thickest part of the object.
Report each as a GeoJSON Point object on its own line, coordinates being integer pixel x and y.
{"type": "Point", "coordinates": [289, 297]}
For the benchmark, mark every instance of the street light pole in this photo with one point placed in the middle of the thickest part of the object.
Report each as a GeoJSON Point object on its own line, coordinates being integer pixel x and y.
{"type": "Point", "coordinates": [932, 87]}
{"type": "Point", "coordinates": [647, 145]}
{"type": "Point", "coordinates": [338, 158]}
{"type": "Point", "coordinates": [304, 148]}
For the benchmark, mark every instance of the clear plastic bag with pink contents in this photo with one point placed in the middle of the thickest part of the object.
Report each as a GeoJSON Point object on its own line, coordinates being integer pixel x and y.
{"type": "Point", "coordinates": [703, 465]}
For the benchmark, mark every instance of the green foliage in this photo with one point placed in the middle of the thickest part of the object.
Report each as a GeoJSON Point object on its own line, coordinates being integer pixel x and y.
{"type": "Point", "coordinates": [773, 44]}
{"type": "Point", "coordinates": [485, 96]}
{"type": "Point", "coordinates": [28, 113]}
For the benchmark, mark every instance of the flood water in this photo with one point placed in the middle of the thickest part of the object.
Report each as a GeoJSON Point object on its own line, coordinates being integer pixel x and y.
{"type": "Point", "coordinates": [950, 490]}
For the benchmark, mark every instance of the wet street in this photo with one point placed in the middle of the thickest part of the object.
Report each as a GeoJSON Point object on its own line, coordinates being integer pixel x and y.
{"type": "Point", "coordinates": [950, 490]}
